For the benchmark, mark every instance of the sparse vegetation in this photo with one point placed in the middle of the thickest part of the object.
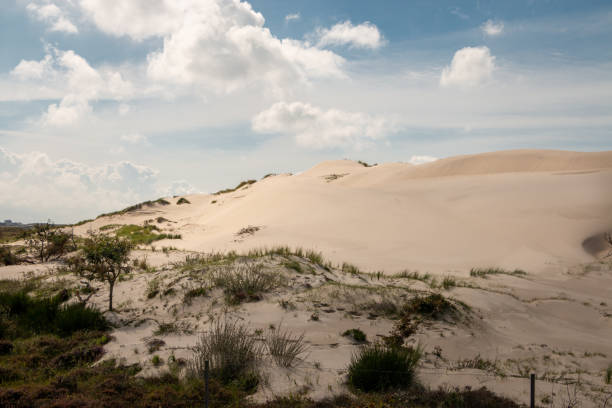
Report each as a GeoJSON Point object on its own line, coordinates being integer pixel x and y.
{"type": "Point", "coordinates": [238, 187]}
{"type": "Point", "coordinates": [183, 200]}
{"type": "Point", "coordinates": [245, 282]}
{"type": "Point", "coordinates": [484, 272]}
{"type": "Point", "coordinates": [364, 164]}
{"type": "Point", "coordinates": [355, 334]}
{"type": "Point", "coordinates": [136, 207]}
{"type": "Point", "coordinates": [250, 230]}
{"type": "Point", "coordinates": [194, 293]}
{"type": "Point", "coordinates": [378, 367]}
{"type": "Point", "coordinates": [7, 257]}
{"type": "Point", "coordinates": [331, 177]}
{"type": "Point", "coordinates": [284, 347]}
{"type": "Point", "coordinates": [349, 268]}
{"type": "Point", "coordinates": [47, 242]}
{"type": "Point", "coordinates": [608, 375]}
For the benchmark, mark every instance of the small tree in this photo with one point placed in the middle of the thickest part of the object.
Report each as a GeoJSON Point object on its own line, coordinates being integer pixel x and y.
{"type": "Point", "coordinates": [48, 242]}
{"type": "Point", "coordinates": [105, 258]}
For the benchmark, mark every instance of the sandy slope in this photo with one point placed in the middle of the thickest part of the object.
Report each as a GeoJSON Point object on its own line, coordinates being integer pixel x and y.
{"type": "Point", "coordinates": [527, 208]}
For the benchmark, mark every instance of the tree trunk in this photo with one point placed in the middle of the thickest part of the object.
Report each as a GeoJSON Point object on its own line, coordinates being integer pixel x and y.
{"type": "Point", "coordinates": [110, 295]}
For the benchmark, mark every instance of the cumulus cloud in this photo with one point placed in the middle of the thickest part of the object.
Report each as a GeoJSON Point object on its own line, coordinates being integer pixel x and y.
{"type": "Point", "coordinates": [365, 35]}
{"type": "Point", "coordinates": [470, 66]}
{"type": "Point", "coordinates": [79, 82]}
{"type": "Point", "coordinates": [317, 128]}
{"type": "Point", "coordinates": [492, 28]}
{"type": "Point", "coordinates": [51, 14]}
{"type": "Point", "coordinates": [34, 184]}
{"type": "Point", "coordinates": [292, 17]}
{"type": "Point", "coordinates": [416, 160]}
{"type": "Point", "coordinates": [219, 45]}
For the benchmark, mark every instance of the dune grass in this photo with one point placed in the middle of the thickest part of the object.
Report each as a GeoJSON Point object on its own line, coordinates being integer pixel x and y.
{"type": "Point", "coordinates": [245, 282]}
{"type": "Point", "coordinates": [355, 334]}
{"type": "Point", "coordinates": [378, 367]}
{"type": "Point", "coordinates": [183, 200]}
{"type": "Point", "coordinates": [238, 187]}
{"type": "Point", "coordinates": [285, 347]}
{"type": "Point", "coordinates": [484, 272]}
{"type": "Point", "coordinates": [136, 207]}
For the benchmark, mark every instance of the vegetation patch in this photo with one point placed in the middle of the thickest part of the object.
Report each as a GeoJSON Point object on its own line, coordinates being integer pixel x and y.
{"type": "Point", "coordinates": [109, 227]}
{"type": "Point", "coordinates": [136, 207]}
{"type": "Point", "coordinates": [238, 187]}
{"type": "Point", "coordinates": [183, 200]}
{"type": "Point", "coordinates": [143, 235]}
{"type": "Point", "coordinates": [250, 230]}
{"type": "Point", "coordinates": [378, 367]}
{"type": "Point", "coordinates": [356, 334]}
{"type": "Point", "coordinates": [331, 177]}
{"type": "Point", "coordinates": [484, 272]}
{"type": "Point", "coordinates": [7, 257]}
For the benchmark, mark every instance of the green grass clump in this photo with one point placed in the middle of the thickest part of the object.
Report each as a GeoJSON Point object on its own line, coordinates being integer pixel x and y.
{"type": "Point", "coordinates": [355, 334]}
{"type": "Point", "coordinates": [234, 354]}
{"type": "Point", "coordinates": [608, 375]}
{"type": "Point", "coordinates": [183, 200]}
{"type": "Point", "coordinates": [349, 268]}
{"type": "Point", "coordinates": [484, 272]}
{"type": "Point", "coordinates": [449, 282]}
{"type": "Point", "coordinates": [377, 367]}
{"type": "Point", "coordinates": [109, 227]}
{"type": "Point", "coordinates": [284, 347]}
{"type": "Point", "coordinates": [136, 207]}
{"type": "Point", "coordinates": [143, 235]}
{"type": "Point", "coordinates": [29, 315]}
{"type": "Point", "coordinates": [194, 293]}
{"type": "Point", "coordinates": [294, 265]}
{"type": "Point", "coordinates": [238, 187]}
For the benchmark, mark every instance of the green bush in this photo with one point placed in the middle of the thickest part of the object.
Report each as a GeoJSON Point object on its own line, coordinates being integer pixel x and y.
{"type": "Point", "coordinates": [75, 317]}
{"type": "Point", "coordinates": [431, 306]}
{"type": "Point", "coordinates": [7, 257]}
{"type": "Point", "coordinates": [377, 367]}
{"type": "Point", "coordinates": [183, 200]}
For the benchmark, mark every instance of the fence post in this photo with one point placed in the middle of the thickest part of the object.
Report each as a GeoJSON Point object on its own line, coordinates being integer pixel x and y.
{"type": "Point", "coordinates": [532, 401]}
{"type": "Point", "coordinates": [206, 375]}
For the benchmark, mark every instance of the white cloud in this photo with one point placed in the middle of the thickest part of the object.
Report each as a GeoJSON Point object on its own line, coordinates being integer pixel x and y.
{"type": "Point", "coordinates": [51, 14]}
{"type": "Point", "coordinates": [470, 66]}
{"type": "Point", "coordinates": [219, 45]}
{"type": "Point", "coordinates": [492, 28]}
{"type": "Point", "coordinates": [416, 160]}
{"type": "Point", "coordinates": [79, 82]}
{"type": "Point", "coordinates": [34, 184]}
{"type": "Point", "coordinates": [133, 138]}
{"type": "Point", "coordinates": [365, 35]}
{"type": "Point", "coordinates": [292, 17]}
{"type": "Point", "coordinates": [316, 128]}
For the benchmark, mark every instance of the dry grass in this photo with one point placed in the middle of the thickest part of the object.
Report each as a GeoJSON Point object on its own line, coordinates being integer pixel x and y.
{"type": "Point", "coordinates": [284, 347]}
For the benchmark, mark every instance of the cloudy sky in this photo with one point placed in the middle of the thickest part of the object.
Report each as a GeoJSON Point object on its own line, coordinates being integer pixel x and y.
{"type": "Point", "coordinates": [104, 103]}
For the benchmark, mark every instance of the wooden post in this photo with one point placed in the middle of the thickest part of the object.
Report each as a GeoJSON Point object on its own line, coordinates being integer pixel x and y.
{"type": "Point", "coordinates": [206, 376]}
{"type": "Point", "coordinates": [532, 401]}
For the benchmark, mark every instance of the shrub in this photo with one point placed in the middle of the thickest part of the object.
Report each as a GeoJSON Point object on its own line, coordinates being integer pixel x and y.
{"type": "Point", "coordinates": [377, 367]}
{"type": "Point", "coordinates": [285, 347]}
{"type": "Point", "coordinates": [232, 351]}
{"type": "Point", "coordinates": [431, 306]}
{"type": "Point", "coordinates": [76, 317]}
{"type": "Point", "coordinates": [355, 334]}
{"type": "Point", "coordinates": [48, 242]}
{"type": "Point", "coordinates": [245, 282]}
{"type": "Point", "coordinates": [156, 361]}
{"type": "Point", "coordinates": [7, 257]}
{"type": "Point", "coordinates": [183, 200]}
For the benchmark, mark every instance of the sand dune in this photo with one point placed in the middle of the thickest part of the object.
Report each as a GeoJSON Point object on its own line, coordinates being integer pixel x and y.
{"type": "Point", "coordinates": [527, 208]}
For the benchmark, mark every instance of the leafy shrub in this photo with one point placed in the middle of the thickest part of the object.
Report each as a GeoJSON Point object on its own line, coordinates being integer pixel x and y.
{"type": "Point", "coordinates": [377, 367]}
{"type": "Point", "coordinates": [233, 353]}
{"type": "Point", "coordinates": [355, 334]}
{"type": "Point", "coordinates": [183, 200]}
{"type": "Point", "coordinates": [285, 347]}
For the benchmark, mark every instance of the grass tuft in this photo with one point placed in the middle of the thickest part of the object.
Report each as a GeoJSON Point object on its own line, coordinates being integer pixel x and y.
{"type": "Point", "coordinates": [183, 200]}
{"type": "Point", "coordinates": [355, 334]}
{"type": "Point", "coordinates": [284, 347]}
{"type": "Point", "coordinates": [245, 282]}
{"type": "Point", "coordinates": [484, 272]}
{"type": "Point", "coordinates": [377, 367]}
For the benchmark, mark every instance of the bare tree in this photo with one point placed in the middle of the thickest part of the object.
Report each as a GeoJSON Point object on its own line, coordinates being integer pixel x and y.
{"type": "Point", "coordinates": [105, 259]}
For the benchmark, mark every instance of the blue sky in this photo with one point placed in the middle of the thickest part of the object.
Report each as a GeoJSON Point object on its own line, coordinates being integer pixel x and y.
{"type": "Point", "coordinates": [106, 103]}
